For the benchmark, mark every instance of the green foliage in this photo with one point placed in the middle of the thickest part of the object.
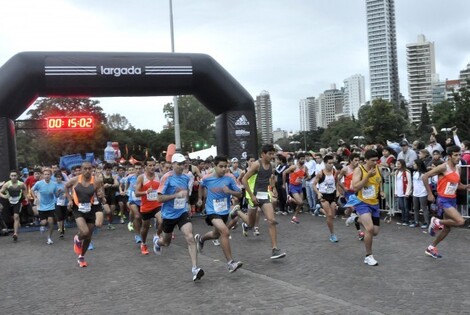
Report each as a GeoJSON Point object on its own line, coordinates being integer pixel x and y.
{"type": "Point", "coordinates": [344, 128]}
{"type": "Point", "coordinates": [443, 115]}
{"type": "Point", "coordinates": [383, 121]}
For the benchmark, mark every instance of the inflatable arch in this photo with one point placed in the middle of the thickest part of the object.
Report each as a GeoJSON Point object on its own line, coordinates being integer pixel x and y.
{"type": "Point", "coordinates": [29, 75]}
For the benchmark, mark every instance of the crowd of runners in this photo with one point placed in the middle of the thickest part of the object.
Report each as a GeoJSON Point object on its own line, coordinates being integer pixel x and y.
{"type": "Point", "coordinates": [350, 182]}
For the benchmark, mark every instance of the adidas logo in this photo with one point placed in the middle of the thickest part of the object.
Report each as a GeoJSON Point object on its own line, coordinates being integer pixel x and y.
{"type": "Point", "coordinates": [242, 121]}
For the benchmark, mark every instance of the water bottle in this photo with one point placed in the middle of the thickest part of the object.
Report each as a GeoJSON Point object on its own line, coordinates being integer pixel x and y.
{"type": "Point", "coordinates": [109, 153]}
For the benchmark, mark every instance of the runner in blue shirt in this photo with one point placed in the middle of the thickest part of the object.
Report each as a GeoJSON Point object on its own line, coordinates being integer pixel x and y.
{"type": "Point", "coordinates": [134, 203]}
{"type": "Point", "coordinates": [46, 191]}
{"type": "Point", "coordinates": [173, 194]}
{"type": "Point", "coordinates": [220, 187]}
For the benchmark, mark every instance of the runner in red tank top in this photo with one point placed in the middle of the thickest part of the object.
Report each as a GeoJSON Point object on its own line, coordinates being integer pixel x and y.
{"type": "Point", "coordinates": [146, 187]}
{"type": "Point", "coordinates": [448, 183]}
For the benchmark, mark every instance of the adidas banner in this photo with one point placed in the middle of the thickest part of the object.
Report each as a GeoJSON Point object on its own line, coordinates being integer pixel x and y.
{"type": "Point", "coordinates": [242, 138]}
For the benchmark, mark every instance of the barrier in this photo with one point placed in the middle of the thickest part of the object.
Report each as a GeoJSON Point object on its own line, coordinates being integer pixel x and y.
{"type": "Point", "coordinates": [390, 207]}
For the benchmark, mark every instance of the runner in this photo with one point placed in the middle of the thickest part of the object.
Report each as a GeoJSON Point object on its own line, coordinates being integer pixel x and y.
{"type": "Point", "coordinates": [45, 192]}
{"type": "Point", "coordinates": [219, 187]}
{"type": "Point", "coordinates": [83, 187]}
{"type": "Point", "coordinates": [447, 185]}
{"type": "Point", "coordinates": [146, 188]}
{"type": "Point", "coordinates": [366, 183]}
{"type": "Point", "coordinates": [258, 196]}
{"type": "Point", "coordinates": [297, 173]}
{"type": "Point", "coordinates": [347, 172]}
{"type": "Point", "coordinates": [13, 191]}
{"type": "Point", "coordinates": [173, 193]}
{"type": "Point", "coordinates": [324, 184]}
{"type": "Point", "coordinates": [134, 202]}
{"type": "Point", "coordinates": [61, 203]}
{"type": "Point", "coordinates": [111, 186]}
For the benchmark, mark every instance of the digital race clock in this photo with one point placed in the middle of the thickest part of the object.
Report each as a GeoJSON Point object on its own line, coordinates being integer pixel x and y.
{"type": "Point", "coordinates": [70, 123]}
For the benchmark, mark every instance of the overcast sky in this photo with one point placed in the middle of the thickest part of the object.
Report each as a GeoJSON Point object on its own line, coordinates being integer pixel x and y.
{"type": "Point", "coordinates": [292, 49]}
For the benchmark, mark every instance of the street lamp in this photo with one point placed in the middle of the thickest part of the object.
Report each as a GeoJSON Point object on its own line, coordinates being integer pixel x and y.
{"type": "Point", "coordinates": [176, 116]}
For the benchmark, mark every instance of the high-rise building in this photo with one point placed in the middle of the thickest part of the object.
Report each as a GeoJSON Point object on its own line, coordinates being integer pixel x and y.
{"type": "Point", "coordinates": [330, 103]}
{"type": "Point", "coordinates": [383, 64]}
{"type": "Point", "coordinates": [308, 119]}
{"type": "Point", "coordinates": [264, 117]}
{"type": "Point", "coordinates": [464, 76]}
{"type": "Point", "coordinates": [279, 134]}
{"type": "Point", "coordinates": [354, 94]}
{"type": "Point", "coordinates": [421, 67]}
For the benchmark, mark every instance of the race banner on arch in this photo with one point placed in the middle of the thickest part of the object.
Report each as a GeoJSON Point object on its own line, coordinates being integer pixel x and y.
{"type": "Point", "coordinates": [242, 137]}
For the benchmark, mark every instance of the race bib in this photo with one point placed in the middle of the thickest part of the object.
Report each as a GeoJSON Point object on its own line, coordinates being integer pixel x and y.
{"type": "Point", "coordinates": [84, 207]}
{"type": "Point", "coordinates": [451, 188]}
{"type": "Point", "coordinates": [152, 196]}
{"type": "Point", "coordinates": [179, 203]}
{"type": "Point", "coordinates": [14, 200]}
{"type": "Point", "coordinates": [330, 188]}
{"type": "Point", "coordinates": [220, 205]}
{"type": "Point", "coordinates": [263, 195]}
{"type": "Point", "coordinates": [368, 192]}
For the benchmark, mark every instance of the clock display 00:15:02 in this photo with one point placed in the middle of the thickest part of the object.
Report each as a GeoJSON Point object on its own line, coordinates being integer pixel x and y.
{"type": "Point", "coordinates": [70, 122]}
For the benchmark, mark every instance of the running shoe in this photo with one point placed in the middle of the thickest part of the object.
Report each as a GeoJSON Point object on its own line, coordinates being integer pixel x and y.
{"type": "Point", "coordinates": [234, 265]}
{"type": "Point", "coordinates": [156, 248]}
{"type": "Point", "coordinates": [351, 219]}
{"type": "Point", "coordinates": [61, 233]}
{"type": "Point", "coordinates": [434, 226]}
{"type": "Point", "coordinates": [197, 274]}
{"type": "Point", "coordinates": [81, 262]}
{"type": "Point", "coordinates": [91, 246]}
{"type": "Point", "coordinates": [256, 231]}
{"type": "Point", "coordinates": [432, 251]}
{"type": "Point", "coordinates": [333, 238]}
{"type": "Point", "coordinates": [144, 249]}
{"type": "Point", "coordinates": [424, 226]}
{"type": "Point", "coordinates": [413, 225]}
{"type": "Point", "coordinates": [138, 239]}
{"type": "Point", "coordinates": [369, 260]}
{"type": "Point", "coordinates": [121, 220]}
{"type": "Point", "coordinates": [294, 220]}
{"type": "Point", "coordinates": [216, 242]}
{"type": "Point", "coordinates": [77, 245]}
{"type": "Point", "coordinates": [111, 227]}
{"type": "Point", "coordinates": [234, 212]}
{"type": "Point", "coordinates": [49, 241]}
{"type": "Point", "coordinates": [199, 243]}
{"type": "Point", "coordinates": [360, 235]}
{"type": "Point", "coordinates": [15, 237]}
{"type": "Point", "coordinates": [277, 253]}
{"type": "Point", "coordinates": [130, 226]}
{"type": "Point", "coordinates": [245, 229]}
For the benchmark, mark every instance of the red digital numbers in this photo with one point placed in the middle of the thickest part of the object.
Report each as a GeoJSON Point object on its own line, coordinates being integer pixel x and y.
{"type": "Point", "coordinates": [70, 123]}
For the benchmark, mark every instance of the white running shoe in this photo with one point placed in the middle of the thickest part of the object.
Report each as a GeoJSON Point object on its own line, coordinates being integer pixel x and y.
{"type": "Point", "coordinates": [351, 219]}
{"type": "Point", "coordinates": [369, 260]}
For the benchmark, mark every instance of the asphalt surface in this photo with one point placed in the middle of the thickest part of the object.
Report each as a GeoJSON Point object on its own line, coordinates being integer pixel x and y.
{"type": "Point", "coordinates": [316, 277]}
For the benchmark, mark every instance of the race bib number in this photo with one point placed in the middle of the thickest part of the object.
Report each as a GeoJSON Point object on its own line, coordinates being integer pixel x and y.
{"type": "Point", "coordinates": [84, 207]}
{"type": "Point", "coordinates": [368, 192]}
{"type": "Point", "coordinates": [14, 200]}
{"type": "Point", "coordinates": [152, 196]}
{"type": "Point", "coordinates": [61, 201]}
{"type": "Point", "coordinates": [179, 203]}
{"type": "Point", "coordinates": [263, 195]}
{"type": "Point", "coordinates": [451, 188]}
{"type": "Point", "coordinates": [220, 205]}
{"type": "Point", "coordinates": [330, 188]}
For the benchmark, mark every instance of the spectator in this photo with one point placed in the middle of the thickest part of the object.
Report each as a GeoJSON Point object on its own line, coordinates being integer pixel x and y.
{"type": "Point", "coordinates": [433, 145]}
{"type": "Point", "coordinates": [425, 156]}
{"type": "Point", "coordinates": [409, 156]}
{"type": "Point", "coordinates": [403, 190]}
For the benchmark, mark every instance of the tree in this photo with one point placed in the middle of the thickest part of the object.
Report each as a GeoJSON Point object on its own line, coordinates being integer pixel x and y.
{"type": "Point", "coordinates": [423, 129]}
{"type": "Point", "coordinates": [344, 128]}
{"type": "Point", "coordinates": [462, 110]}
{"type": "Point", "coordinates": [382, 121]}
{"type": "Point", "coordinates": [116, 121]}
{"type": "Point", "coordinates": [443, 115]}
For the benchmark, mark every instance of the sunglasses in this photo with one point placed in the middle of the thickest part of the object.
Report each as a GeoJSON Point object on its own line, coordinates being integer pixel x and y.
{"type": "Point", "coordinates": [180, 163]}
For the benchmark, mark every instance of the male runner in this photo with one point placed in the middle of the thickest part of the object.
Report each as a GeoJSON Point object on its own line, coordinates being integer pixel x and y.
{"type": "Point", "coordinates": [45, 193]}
{"type": "Point", "coordinates": [13, 191]}
{"type": "Point", "coordinates": [298, 172]}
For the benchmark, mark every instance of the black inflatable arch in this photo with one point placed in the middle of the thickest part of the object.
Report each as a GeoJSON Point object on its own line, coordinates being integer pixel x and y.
{"type": "Point", "coordinates": [29, 75]}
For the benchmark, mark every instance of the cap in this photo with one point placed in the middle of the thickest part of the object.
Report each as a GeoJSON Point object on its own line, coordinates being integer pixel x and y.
{"type": "Point", "coordinates": [178, 158]}
{"type": "Point", "coordinates": [234, 160]}
{"type": "Point", "coordinates": [352, 201]}
{"type": "Point", "coordinates": [403, 143]}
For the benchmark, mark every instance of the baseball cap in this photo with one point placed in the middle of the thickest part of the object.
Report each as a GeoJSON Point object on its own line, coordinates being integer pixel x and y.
{"type": "Point", "coordinates": [234, 160]}
{"type": "Point", "coordinates": [178, 158]}
{"type": "Point", "coordinates": [403, 143]}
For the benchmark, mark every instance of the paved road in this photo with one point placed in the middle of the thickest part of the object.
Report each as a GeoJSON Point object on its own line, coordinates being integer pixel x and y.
{"type": "Point", "coordinates": [317, 277]}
